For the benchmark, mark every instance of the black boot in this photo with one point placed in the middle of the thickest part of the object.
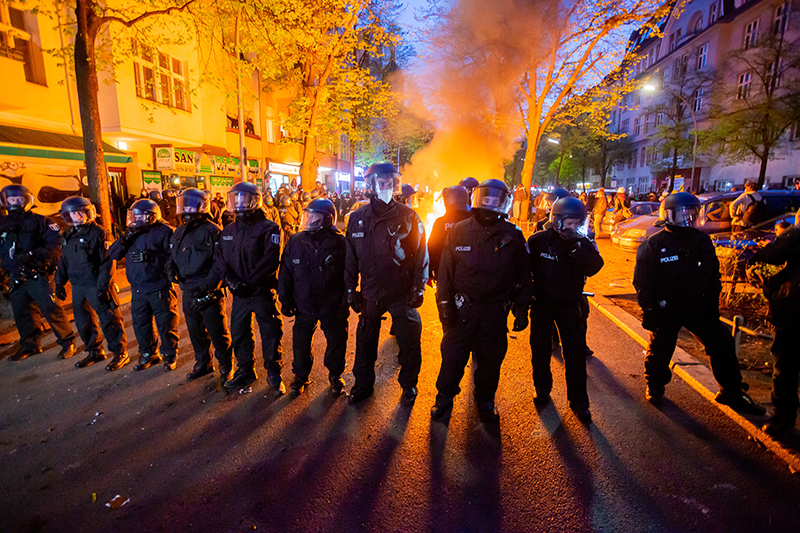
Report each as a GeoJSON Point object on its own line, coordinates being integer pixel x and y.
{"type": "Point", "coordinates": [199, 371]}
{"type": "Point", "coordinates": [170, 361]}
{"type": "Point", "coordinates": [95, 356]}
{"type": "Point", "coordinates": [241, 379]}
{"type": "Point", "coordinates": [24, 352]}
{"type": "Point", "coordinates": [442, 409]}
{"type": "Point", "coordinates": [582, 412]}
{"type": "Point", "coordinates": [298, 386]}
{"type": "Point", "coordinates": [359, 394]}
{"type": "Point", "coordinates": [409, 396]}
{"type": "Point", "coordinates": [487, 412]}
{"type": "Point", "coordinates": [225, 375]}
{"type": "Point", "coordinates": [67, 350]}
{"type": "Point", "coordinates": [337, 384]}
{"type": "Point", "coordinates": [778, 425]}
{"type": "Point", "coordinates": [147, 360]}
{"type": "Point", "coordinates": [120, 360]}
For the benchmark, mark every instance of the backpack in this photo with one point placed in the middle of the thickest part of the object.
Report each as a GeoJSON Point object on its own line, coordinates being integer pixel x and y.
{"type": "Point", "coordinates": [755, 212]}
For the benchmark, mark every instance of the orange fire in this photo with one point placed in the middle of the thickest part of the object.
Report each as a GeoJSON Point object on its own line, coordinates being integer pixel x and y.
{"type": "Point", "coordinates": [437, 211]}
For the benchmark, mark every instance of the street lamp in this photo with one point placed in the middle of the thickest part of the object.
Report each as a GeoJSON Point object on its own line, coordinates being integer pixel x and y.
{"type": "Point", "coordinates": [651, 88]}
{"type": "Point", "coordinates": [554, 141]}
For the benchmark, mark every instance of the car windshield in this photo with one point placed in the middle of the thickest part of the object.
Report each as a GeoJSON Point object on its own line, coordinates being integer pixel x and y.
{"type": "Point", "coordinates": [717, 210]}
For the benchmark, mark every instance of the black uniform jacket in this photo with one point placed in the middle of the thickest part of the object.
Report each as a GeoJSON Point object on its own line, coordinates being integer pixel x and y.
{"type": "Point", "coordinates": [150, 275]}
{"type": "Point", "coordinates": [311, 278]}
{"type": "Point", "coordinates": [441, 227]}
{"type": "Point", "coordinates": [249, 252]}
{"type": "Point", "coordinates": [679, 267]}
{"type": "Point", "coordinates": [560, 267]}
{"type": "Point", "coordinates": [783, 289]}
{"type": "Point", "coordinates": [386, 244]}
{"type": "Point", "coordinates": [485, 264]}
{"type": "Point", "coordinates": [85, 260]}
{"type": "Point", "coordinates": [193, 249]}
{"type": "Point", "coordinates": [28, 232]}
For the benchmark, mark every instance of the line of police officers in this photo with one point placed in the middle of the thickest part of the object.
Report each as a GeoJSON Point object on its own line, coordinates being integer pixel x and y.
{"type": "Point", "coordinates": [482, 264]}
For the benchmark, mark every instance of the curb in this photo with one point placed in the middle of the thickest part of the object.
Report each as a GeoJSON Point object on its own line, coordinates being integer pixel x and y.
{"type": "Point", "coordinates": [696, 376]}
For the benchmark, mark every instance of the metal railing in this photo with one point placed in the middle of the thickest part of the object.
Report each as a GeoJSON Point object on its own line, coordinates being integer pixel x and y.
{"type": "Point", "coordinates": [737, 328]}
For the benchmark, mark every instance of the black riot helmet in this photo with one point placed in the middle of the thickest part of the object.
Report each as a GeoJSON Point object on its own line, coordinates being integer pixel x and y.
{"type": "Point", "coordinates": [469, 184]}
{"type": "Point", "coordinates": [456, 198]}
{"type": "Point", "coordinates": [319, 213]}
{"type": "Point", "coordinates": [154, 195]}
{"type": "Point", "coordinates": [286, 201]}
{"type": "Point", "coordinates": [143, 213]}
{"type": "Point", "coordinates": [569, 209]}
{"type": "Point", "coordinates": [681, 210]}
{"type": "Point", "coordinates": [16, 198]}
{"type": "Point", "coordinates": [383, 181]}
{"type": "Point", "coordinates": [313, 194]}
{"type": "Point", "coordinates": [406, 192]}
{"type": "Point", "coordinates": [78, 211]}
{"type": "Point", "coordinates": [492, 195]}
{"type": "Point", "coordinates": [244, 197]}
{"type": "Point", "coordinates": [192, 203]}
{"type": "Point", "coordinates": [305, 198]}
{"type": "Point", "coordinates": [269, 200]}
{"type": "Point", "coordinates": [551, 198]}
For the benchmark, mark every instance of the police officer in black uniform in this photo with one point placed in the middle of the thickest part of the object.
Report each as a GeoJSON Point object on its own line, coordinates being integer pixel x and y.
{"type": "Point", "coordinates": [783, 292]}
{"type": "Point", "coordinates": [561, 260]}
{"type": "Point", "coordinates": [247, 257]}
{"type": "Point", "coordinates": [145, 248]}
{"type": "Point", "coordinates": [290, 217]}
{"type": "Point", "coordinates": [30, 246]}
{"type": "Point", "coordinates": [193, 248]}
{"type": "Point", "coordinates": [677, 282]}
{"type": "Point", "coordinates": [484, 270]}
{"type": "Point", "coordinates": [469, 184]}
{"type": "Point", "coordinates": [456, 203]}
{"type": "Point", "coordinates": [386, 247]}
{"type": "Point", "coordinates": [86, 265]}
{"type": "Point", "coordinates": [543, 211]}
{"type": "Point", "coordinates": [311, 288]}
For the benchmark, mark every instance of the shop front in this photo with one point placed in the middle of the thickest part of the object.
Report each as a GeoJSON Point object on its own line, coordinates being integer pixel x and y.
{"type": "Point", "coordinates": [282, 173]}
{"type": "Point", "coordinates": [182, 168]}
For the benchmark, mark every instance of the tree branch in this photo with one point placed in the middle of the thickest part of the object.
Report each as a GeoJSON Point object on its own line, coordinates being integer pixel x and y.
{"type": "Point", "coordinates": [148, 14]}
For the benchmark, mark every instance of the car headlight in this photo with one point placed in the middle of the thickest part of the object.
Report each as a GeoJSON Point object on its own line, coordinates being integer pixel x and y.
{"type": "Point", "coordinates": [636, 232]}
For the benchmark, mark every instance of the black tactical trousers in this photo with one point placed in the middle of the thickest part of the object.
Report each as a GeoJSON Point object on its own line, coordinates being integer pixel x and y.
{"type": "Point", "coordinates": [163, 306]}
{"type": "Point", "coordinates": [28, 316]}
{"type": "Point", "coordinates": [270, 326]}
{"type": "Point", "coordinates": [786, 350]}
{"type": "Point", "coordinates": [716, 339]}
{"type": "Point", "coordinates": [209, 326]}
{"type": "Point", "coordinates": [87, 309]}
{"type": "Point", "coordinates": [408, 329]}
{"type": "Point", "coordinates": [482, 330]}
{"type": "Point", "coordinates": [334, 326]}
{"type": "Point", "coordinates": [571, 323]}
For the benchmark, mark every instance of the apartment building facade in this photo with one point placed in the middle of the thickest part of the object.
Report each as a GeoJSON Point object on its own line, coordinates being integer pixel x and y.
{"type": "Point", "coordinates": [684, 67]}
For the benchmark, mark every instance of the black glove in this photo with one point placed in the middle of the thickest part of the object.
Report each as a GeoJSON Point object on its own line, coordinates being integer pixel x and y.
{"type": "Point", "coordinates": [288, 310]}
{"type": "Point", "coordinates": [651, 318]}
{"type": "Point", "coordinates": [172, 273]}
{"type": "Point", "coordinates": [201, 303]}
{"type": "Point", "coordinates": [61, 292]}
{"type": "Point", "coordinates": [354, 300]}
{"type": "Point", "coordinates": [416, 298]}
{"type": "Point", "coordinates": [238, 288]}
{"type": "Point", "coordinates": [139, 257]}
{"type": "Point", "coordinates": [447, 314]}
{"type": "Point", "coordinates": [26, 259]}
{"type": "Point", "coordinates": [520, 320]}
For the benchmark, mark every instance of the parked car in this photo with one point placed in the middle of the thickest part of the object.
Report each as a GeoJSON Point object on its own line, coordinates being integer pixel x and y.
{"type": "Point", "coordinates": [358, 205]}
{"type": "Point", "coordinates": [637, 209]}
{"type": "Point", "coordinates": [714, 216]}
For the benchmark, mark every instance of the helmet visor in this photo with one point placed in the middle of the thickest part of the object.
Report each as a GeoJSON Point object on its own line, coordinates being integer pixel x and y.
{"type": "Point", "coordinates": [312, 221]}
{"type": "Point", "coordinates": [683, 216]}
{"type": "Point", "coordinates": [492, 199]}
{"type": "Point", "coordinates": [572, 227]}
{"type": "Point", "coordinates": [189, 204]}
{"type": "Point", "coordinates": [137, 218]}
{"type": "Point", "coordinates": [16, 201]}
{"type": "Point", "coordinates": [239, 201]}
{"type": "Point", "coordinates": [78, 218]}
{"type": "Point", "coordinates": [384, 185]}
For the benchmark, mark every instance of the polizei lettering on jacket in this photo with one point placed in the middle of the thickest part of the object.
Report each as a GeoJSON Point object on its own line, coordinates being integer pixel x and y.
{"type": "Point", "coordinates": [669, 259]}
{"type": "Point", "coordinates": [463, 248]}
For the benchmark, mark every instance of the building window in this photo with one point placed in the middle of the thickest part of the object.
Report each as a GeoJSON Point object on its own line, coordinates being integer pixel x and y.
{"type": "Point", "coordinates": [625, 101]}
{"type": "Point", "coordinates": [773, 75]}
{"type": "Point", "coordinates": [652, 56]}
{"type": "Point", "coordinates": [159, 77]}
{"type": "Point", "coordinates": [781, 18]}
{"type": "Point", "coordinates": [643, 156]}
{"type": "Point", "coordinates": [750, 35]}
{"type": "Point", "coordinates": [698, 25]}
{"type": "Point", "coordinates": [624, 127]}
{"type": "Point", "coordinates": [344, 152]}
{"type": "Point", "coordinates": [712, 14]}
{"type": "Point", "coordinates": [636, 127]}
{"type": "Point", "coordinates": [702, 55]}
{"type": "Point", "coordinates": [647, 123]}
{"type": "Point", "coordinates": [672, 42]}
{"type": "Point", "coordinates": [743, 87]}
{"type": "Point", "coordinates": [697, 100]}
{"type": "Point", "coordinates": [270, 124]}
{"type": "Point", "coordinates": [680, 66]}
{"type": "Point", "coordinates": [635, 159]}
{"type": "Point", "coordinates": [19, 40]}
{"type": "Point", "coordinates": [659, 119]}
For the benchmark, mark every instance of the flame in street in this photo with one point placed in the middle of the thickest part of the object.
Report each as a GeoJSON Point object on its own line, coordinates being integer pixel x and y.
{"type": "Point", "coordinates": [437, 211]}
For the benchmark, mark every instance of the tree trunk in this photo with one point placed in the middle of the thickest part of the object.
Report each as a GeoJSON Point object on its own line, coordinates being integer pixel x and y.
{"type": "Point", "coordinates": [673, 171]}
{"type": "Point", "coordinates": [88, 104]}
{"type": "Point", "coordinates": [352, 168]}
{"type": "Point", "coordinates": [527, 171]}
{"type": "Point", "coordinates": [762, 171]}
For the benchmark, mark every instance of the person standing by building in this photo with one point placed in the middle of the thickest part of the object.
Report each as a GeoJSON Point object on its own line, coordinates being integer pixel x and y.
{"type": "Point", "coordinates": [561, 260]}
{"type": "Point", "coordinates": [193, 248]}
{"type": "Point", "coordinates": [145, 248]}
{"type": "Point", "coordinates": [783, 292]}
{"type": "Point", "coordinates": [520, 195]}
{"type": "Point", "coordinates": [247, 258]}
{"type": "Point", "coordinates": [30, 246]}
{"type": "Point", "coordinates": [456, 203]}
{"type": "Point", "coordinates": [311, 289]}
{"type": "Point", "coordinates": [386, 250]}
{"type": "Point", "coordinates": [86, 265]}
{"type": "Point", "coordinates": [599, 210]}
{"type": "Point", "coordinates": [484, 271]}
{"type": "Point", "coordinates": [677, 283]}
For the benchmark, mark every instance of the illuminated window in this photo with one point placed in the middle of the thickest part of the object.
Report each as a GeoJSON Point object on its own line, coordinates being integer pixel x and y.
{"type": "Point", "coordinates": [751, 35]}
{"type": "Point", "coordinates": [702, 55]}
{"type": "Point", "coordinates": [643, 156]}
{"type": "Point", "coordinates": [19, 40]}
{"type": "Point", "coordinates": [270, 124]}
{"type": "Point", "coordinates": [697, 100]}
{"type": "Point", "coordinates": [712, 14]}
{"type": "Point", "coordinates": [159, 77]}
{"type": "Point", "coordinates": [636, 127]}
{"type": "Point", "coordinates": [624, 127]}
{"type": "Point", "coordinates": [743, 87]}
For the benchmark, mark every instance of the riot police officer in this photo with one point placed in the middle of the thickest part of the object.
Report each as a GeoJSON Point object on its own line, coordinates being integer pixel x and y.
{"type": "Point", "coordinates": [561, 260]}
{"type": "Point", "coordinates": [469, 184]}
{"type": "Point", "coordinates": [484, 270]}
{"type": "Point", "coordinates": [145, 248]}
{"type": "Point", "coordinates": [311, 288]}
{"type": "Point", "coordinates": [543, 210]}
{"type": "Point", "coordinates": [247, 257]}
{"type": "Point", "coordinates": [406, 192]}
{"type": "Point", "coordinates": [386, 249]}
{"type": "Point", "coordinates": [86, 265]}
{"type": "Point", "coordinates": [677, 282]}
{"type": "Point", "coordinates": [271, 211]}
{"type": "Point", "coordinates": [193, 248]}
{"type": "Point", "coordinates": [290, 217]}
{"type": "Point", "coordinates": [783, 292]}
{"type": "Point", "coordinates": [456, 203]}
{"type": "Point", "coordinates": [30, 246]}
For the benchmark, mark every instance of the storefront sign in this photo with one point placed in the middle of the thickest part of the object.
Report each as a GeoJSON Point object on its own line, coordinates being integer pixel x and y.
{"type": "Point", "coordinates": [282, 168]}
{"type": "Point", "coordinates": [152, 180]}
{"type": "Point", "coordinates": [221, 181]}
{"type": "Point", "coordinates": [164, 158]}
{"type": "Point", "coordinates": [343, 176]}
{"type": "Point", "coordinates": [203, 163]}
{"type": "Point", "coordinates": [184, 161]}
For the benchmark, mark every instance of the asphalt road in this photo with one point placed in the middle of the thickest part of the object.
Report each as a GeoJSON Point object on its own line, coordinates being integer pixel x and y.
{"type": "Point", "coordinates": [190, 458]}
